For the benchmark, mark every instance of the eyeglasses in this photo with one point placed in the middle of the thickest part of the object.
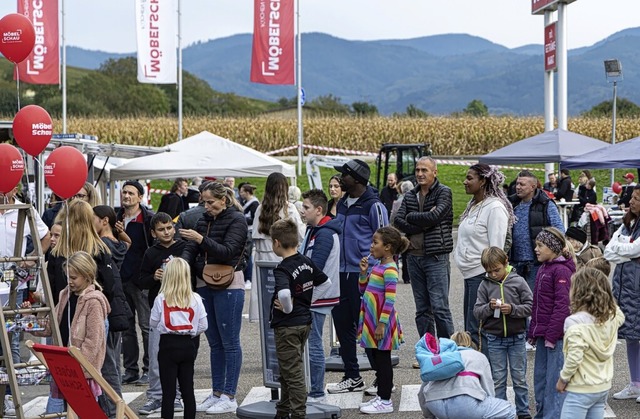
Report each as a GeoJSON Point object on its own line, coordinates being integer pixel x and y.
{"type": "Point", "coordinates": [80, 196]}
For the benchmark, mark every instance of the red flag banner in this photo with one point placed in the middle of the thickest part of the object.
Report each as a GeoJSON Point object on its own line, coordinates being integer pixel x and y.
{"type": "Point", "coordinates": [42, 66]}
{"type": "Point", "coordinates": [273, 54]}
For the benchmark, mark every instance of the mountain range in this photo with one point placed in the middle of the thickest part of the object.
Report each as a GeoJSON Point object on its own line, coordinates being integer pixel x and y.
{"type": "Point", "coordinates": [439, 74]}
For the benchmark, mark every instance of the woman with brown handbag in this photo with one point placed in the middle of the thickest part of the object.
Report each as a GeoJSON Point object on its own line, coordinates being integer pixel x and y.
{"type": "Point", "coordinates": [215, 252]}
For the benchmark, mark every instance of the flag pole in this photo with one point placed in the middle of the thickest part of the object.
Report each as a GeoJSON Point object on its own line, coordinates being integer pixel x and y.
{"type": "Point", "coordinates": [299, 80]}
{"type": "Point", "coordinates": [64, 73]}
{"type": "Point", "coordinates": [179, 72]}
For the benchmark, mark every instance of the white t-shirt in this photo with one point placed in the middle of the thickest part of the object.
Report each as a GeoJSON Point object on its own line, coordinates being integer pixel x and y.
{"type": "Point", "coordinates": [179, 321]}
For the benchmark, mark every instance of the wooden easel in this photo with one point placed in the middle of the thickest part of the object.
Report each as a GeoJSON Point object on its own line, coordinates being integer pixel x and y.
{"type": "Point", "coordinates": [26, 214]}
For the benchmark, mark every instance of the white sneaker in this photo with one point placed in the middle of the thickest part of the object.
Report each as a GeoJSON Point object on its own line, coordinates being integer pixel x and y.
{"type": "Point", "coordinates": [9, 407]}
{"type": "Point", "coordinates": [367, 403]}
{"type": "Point", "coordinates": [207, 403]}
{"type": "Point", "coordinates": [224, 405]}
{"type": "Point", "coordinates": [629, 392]}
{"type": "Point", "coordinates": [378, 407]}
{"type": "Point", "coordinates": [247, 285]}
{"type": "Point", "coordinates": [321, 399]}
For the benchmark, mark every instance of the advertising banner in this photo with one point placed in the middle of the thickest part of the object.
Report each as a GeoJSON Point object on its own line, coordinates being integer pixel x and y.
{"type": "Point", "coordinates": [157, 34]}
{"type": "Point", "coordinates": [273, 52]}
{"type": "Point", "coordinates": [42, 66]}
{"type": "Point", "coordinates": [550, 47]}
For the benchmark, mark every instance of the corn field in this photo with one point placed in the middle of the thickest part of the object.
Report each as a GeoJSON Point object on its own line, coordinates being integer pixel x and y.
{"type": "Point", "coordinates": [447, 135]}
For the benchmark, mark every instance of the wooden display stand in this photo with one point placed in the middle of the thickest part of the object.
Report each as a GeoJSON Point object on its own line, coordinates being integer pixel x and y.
{"type": "Point", "coordinates": [66, 366]}
{"type": "Point", "coordinates": [26, 214]}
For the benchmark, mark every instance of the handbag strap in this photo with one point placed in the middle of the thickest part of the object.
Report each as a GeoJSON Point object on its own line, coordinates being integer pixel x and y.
{"type": "Point", "coordinates": [206, 254]}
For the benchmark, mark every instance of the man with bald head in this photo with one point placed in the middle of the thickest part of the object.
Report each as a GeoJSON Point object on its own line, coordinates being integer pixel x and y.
{"type": "Point", "coordinates": [426, 217]}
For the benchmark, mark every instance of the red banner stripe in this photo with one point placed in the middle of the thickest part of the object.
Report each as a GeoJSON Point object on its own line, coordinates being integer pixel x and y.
{"type": "Point", "coordinates": [273, 54]}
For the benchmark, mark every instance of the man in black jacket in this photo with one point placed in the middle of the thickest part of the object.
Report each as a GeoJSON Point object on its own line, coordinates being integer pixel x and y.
{"type": "Point", "coordinates": [137, 225]}
{"type": "Point", "coordinates": [426, 217]}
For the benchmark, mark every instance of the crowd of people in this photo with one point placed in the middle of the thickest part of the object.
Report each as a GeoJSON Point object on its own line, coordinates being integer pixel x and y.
{"type": "Point", "coordinates": [181, 272]}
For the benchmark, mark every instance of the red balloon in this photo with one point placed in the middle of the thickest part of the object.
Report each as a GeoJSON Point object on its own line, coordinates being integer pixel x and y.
{"type": "Point", "coordinates": [617, 188]}
{"type": "Point", "coordinates": [32, 129]}
{"type": "Point", "coordinates": [65, 171]}
{"type": "Point", "coordinates": [17, 37]}
{"type": "Point", "coordinates": [11, 167]}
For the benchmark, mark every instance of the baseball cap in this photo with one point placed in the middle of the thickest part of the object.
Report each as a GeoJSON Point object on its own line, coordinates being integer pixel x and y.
{"type": "Point", "coordinates": [629, 176]}
{"type": "Point", "coordinates": [357, 169]}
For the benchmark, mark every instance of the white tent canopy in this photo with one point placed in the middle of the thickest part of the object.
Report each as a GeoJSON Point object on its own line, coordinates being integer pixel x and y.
{"type": "Point", "coordinates": [203, 154]}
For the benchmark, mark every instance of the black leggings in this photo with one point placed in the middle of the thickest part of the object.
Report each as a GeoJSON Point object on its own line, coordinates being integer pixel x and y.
{"type": "Point", "coordinates": [381, 362]}
{"type": "Point", "coordinates": [176, 356]}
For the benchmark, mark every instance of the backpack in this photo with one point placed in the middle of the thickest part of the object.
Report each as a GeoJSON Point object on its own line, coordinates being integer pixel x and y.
{"type": "Point", "coordinates": [439, 359]}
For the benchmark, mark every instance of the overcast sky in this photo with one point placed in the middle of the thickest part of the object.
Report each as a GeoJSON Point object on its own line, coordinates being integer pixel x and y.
{"type": "Point", "coordinates": [108, 25]}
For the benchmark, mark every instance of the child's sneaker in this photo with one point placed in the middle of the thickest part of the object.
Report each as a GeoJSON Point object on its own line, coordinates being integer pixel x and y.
{"type": "Point", "coordinates": [631, 391]}
{"type": "Point", "coordinates": [379, 406]}
{"type": "Point", "coordinates": [224, 405]}
{"type": "Point", "coordinates": [367, 403]}
{"type": "Point", "coordinates": [347, 385]}
{"type": "Point", "coordinates": [9, 407]}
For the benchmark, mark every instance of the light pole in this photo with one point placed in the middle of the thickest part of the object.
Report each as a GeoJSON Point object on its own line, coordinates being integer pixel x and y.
{"type": "Point", "coordinates": [613, 71]}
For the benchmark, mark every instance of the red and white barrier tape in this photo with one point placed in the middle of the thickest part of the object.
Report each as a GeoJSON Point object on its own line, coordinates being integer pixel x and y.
{"type": "Point", "coordinates": [368, 153]}
{"type": "Point", "coordinates": [160, 191]}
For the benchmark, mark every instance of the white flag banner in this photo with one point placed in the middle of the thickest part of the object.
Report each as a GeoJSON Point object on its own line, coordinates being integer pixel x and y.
{"type": "Point", "coordinates": [157, 30]}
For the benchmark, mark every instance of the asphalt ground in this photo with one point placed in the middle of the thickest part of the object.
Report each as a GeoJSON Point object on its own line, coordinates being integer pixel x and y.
{"type": "Point", "coordinates": [404, 374]}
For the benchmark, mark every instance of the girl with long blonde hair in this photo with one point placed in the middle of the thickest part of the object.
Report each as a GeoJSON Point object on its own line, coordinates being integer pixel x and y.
{"type": "Point", "coordinates": [79, 235]}
{"type": "Point", "coordinates": [178, 332]}
{"type": "Point", "coordinates": [590, 339]}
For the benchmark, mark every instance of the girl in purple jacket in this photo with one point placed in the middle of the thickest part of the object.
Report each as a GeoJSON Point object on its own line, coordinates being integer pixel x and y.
{"type": "Point", "coordinates": [550, 309]}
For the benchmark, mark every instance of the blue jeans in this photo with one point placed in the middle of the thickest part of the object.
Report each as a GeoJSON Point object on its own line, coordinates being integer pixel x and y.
{"type": "Point", "coordinates": [584, 405]}
{"type": "Point", "coordinates": [528, 270]}
{"type": "Point", "coordinates": [430, 277]}
{"type": "Point", "coordinates": [463, 406]}
{"type": "Point", "coordinates": [224, 314]}
{"type": "Point", "coordinates": [471, 324]}
{"type": "Point", "coordinates": [316, 354]}
{"type": "Point", "coordinates": [546, 372]}
{"type": "Point", "coordinates": [509, 349]}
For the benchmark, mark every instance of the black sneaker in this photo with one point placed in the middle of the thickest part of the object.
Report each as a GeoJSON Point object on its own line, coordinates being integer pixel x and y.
{"type": "Point", "coordinates": [143, 380]}
{"type": "Point", "coordinates": [130, 378]}
{"type": "Point", "coordinates": [347, 385]}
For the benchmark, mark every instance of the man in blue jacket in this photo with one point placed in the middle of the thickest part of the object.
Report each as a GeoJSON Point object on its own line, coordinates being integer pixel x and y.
{"type": "Point", "coordinates": [362, 214]}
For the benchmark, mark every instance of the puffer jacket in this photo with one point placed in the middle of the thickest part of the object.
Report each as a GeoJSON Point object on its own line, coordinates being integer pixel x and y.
{"type": "Point", "coordinates": [322, 245]}
{"type": "Point", "coordinates": [435, 220]}
{"type": "Point", "coordinates": [551, 299]}
{"type": "Point", "coordinates": [223, 243]}
{"type": "Point", "coordinates": [624, 250]}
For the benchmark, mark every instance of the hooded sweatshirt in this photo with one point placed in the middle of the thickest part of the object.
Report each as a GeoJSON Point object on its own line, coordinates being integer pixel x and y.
{"type": "Point", "coordinates": [511, 290]}
{"type": "Point", "coordinates": [588, 352]}
{"type": "Point", "coordinates": [485, 226]}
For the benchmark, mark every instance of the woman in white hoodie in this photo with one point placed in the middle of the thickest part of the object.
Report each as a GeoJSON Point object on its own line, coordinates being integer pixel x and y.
{"type": "Point", "coordinates": [484, 223]}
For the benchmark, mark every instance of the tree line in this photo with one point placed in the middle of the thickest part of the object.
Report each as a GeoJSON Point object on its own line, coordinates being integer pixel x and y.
{"type": "Point", "coordinates": [113, 90]}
